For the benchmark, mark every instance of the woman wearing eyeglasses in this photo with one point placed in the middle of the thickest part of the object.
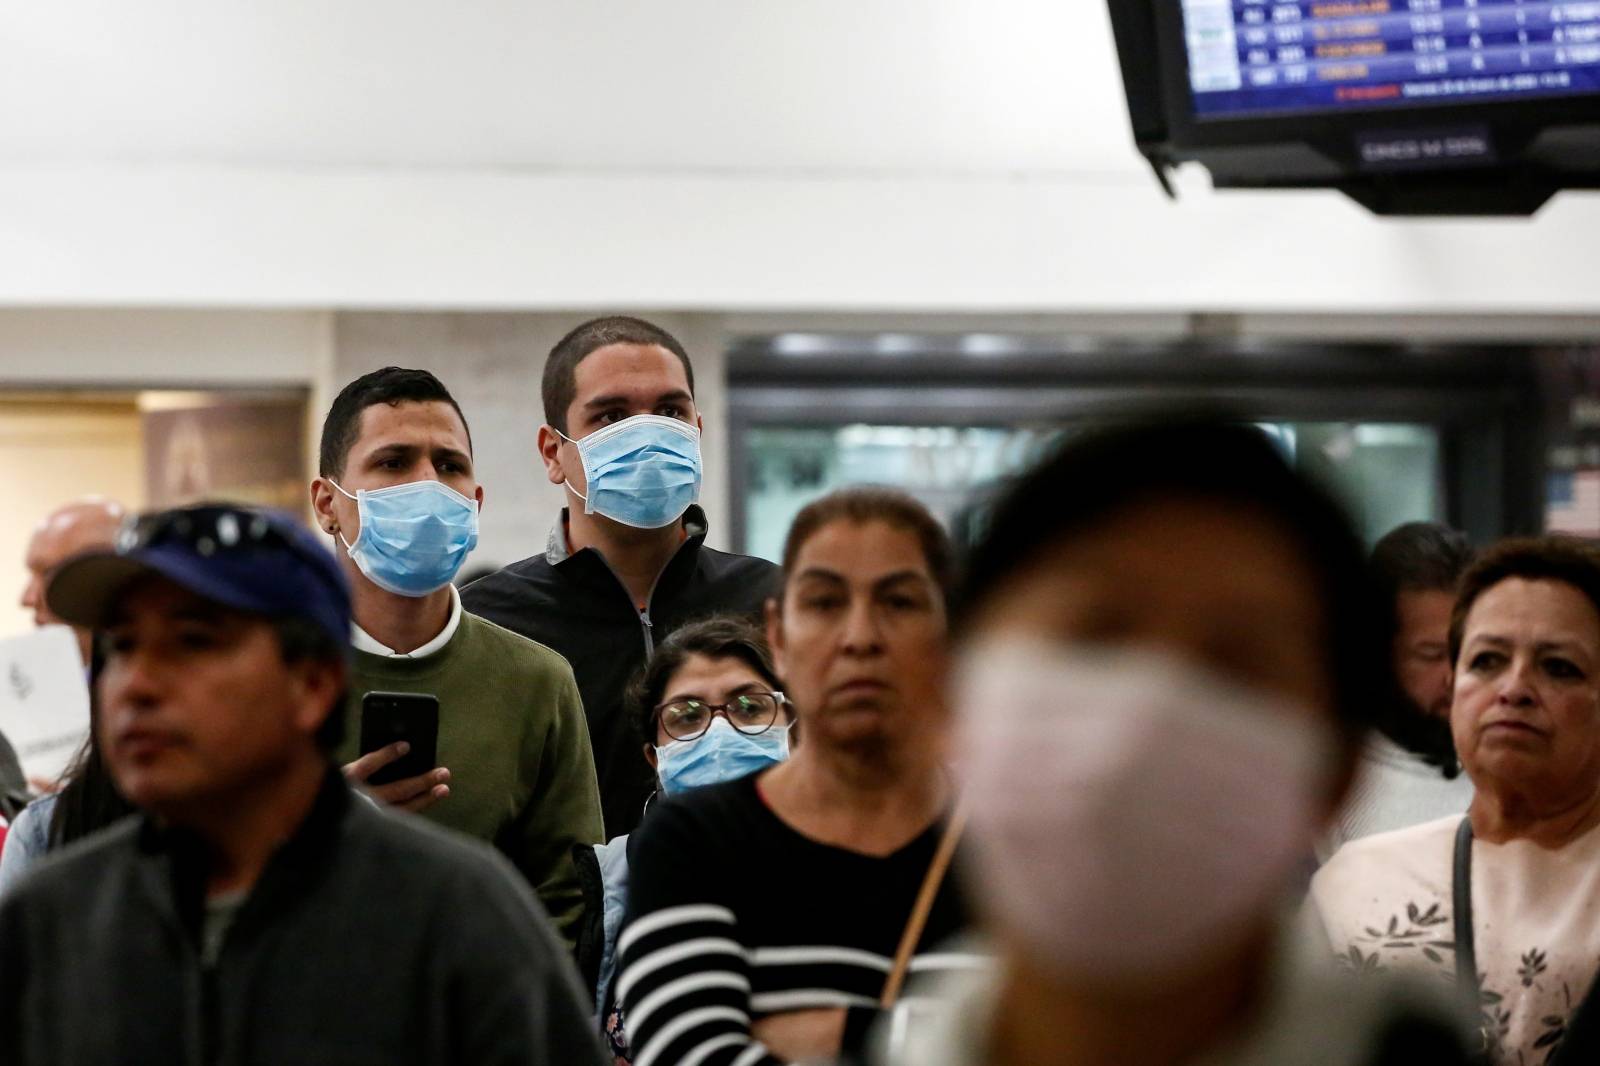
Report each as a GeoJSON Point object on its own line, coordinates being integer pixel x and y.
{"type": "Point", "coordinates": [769, 916]}
{"type": "Point", "coordinates": [708, 709]}
{"type": "Point", "coordinates": [709, 706]}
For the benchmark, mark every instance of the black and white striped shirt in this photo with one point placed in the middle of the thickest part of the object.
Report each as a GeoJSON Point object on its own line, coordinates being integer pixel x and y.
{"type": "Point", "coordinates": [734, 916]}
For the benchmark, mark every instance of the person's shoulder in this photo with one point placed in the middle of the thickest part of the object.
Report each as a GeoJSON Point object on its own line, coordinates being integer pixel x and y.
{"type": "Point", "coordinates": [612, 855]}
{"type": "Point", "coordinates": [737, 796]}
{"type": "Point", "coordinates": [491, 917]}
{"type": "Point", "coordinates": [707, 845]}
{"type": "Point", "coordinates": [33, 823]}
{"type": "Point", "coordinates": [723, 816]}
{"type": "Point", "coordinates": [511, 582]}
{"type": "Point", "coordinates": [732, 566]}
{"type": "Point", "coordinates": [1418, 853]}
{"type": "Point", "coordinates": [511, 650]}
{"type": "Point", "coordinates": [68, 874]}
{"type": "Point", "coordinates": [1383, 849]}
{"type": "Point", "coordinates": [738, 583]}
{"type": "Point", "coordinates": [428, 857]}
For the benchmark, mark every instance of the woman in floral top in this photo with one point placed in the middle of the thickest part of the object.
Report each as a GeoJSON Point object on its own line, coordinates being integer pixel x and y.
{"type": "Point", "coordinates": [1525, 639]}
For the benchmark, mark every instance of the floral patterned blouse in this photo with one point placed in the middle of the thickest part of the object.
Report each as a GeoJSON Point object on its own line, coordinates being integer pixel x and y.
{"type": "Point", "coordinates": [1385, 904]}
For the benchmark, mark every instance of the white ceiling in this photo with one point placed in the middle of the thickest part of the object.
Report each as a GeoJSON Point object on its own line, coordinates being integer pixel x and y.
{"type": "Point", "coordinates": [1024, 87]}
{"type": "Point", "coordinates": [765, 155]}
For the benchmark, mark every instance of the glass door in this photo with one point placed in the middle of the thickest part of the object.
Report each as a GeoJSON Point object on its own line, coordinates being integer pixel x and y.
{"type": "Point", "coordinates": [1384, 473]}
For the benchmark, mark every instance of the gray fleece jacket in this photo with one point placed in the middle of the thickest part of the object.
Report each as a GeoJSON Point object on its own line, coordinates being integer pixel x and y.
{"type": "Point", "coordinates": [370, 938]}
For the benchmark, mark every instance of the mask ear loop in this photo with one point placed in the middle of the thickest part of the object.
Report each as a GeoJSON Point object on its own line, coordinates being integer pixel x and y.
{"type": "Point", "coordinates": [348, 547]}
{"type": "Point", "coordinates": [568, 484]}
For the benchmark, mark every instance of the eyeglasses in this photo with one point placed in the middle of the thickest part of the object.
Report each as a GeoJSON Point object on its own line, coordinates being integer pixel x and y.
{"type": "Point", "coordinates": [751, 714]}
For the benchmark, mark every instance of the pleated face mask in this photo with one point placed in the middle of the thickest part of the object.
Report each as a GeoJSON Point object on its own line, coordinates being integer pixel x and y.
{"type": "Point", "coordinates": [414, 537]}
{"type": "Point", "coordinates": [721, 754]}
{"type": "Point", "coordinates": [1132, 813]}
{"type": "Point", "coordinates": [642, 471]}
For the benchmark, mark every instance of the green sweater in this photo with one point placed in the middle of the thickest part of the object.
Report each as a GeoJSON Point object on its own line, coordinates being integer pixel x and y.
{"type": "Point", "coordinates": [513, 736]}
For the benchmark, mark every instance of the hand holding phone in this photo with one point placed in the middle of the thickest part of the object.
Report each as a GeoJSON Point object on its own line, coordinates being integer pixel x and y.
{"type": "Point", "coordinates": [399, 744]}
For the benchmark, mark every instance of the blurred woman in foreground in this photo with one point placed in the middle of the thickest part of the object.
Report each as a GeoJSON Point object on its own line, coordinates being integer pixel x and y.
{"type": "Point", "coordinates": [1166, 650]}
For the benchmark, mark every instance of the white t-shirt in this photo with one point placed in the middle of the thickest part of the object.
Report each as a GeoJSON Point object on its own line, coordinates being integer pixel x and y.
{"type": "Point", "coordinates": [1385, 903]}
{"type": "Point", "coordinates": [1393, 789]}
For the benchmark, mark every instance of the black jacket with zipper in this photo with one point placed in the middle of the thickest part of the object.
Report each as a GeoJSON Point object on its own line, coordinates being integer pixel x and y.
{"type": "Point", "coordinates": [576, 604]}
{"type": "Point", "coordinates": [369, 938]}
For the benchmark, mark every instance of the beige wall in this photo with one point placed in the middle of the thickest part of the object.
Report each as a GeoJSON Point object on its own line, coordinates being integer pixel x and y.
{"type": "Point", "coordinates": [490, 360]}
{"type": "Point", "coordinates": [99, 347]}
{"type": "Point", "coordinates": [51, 453]}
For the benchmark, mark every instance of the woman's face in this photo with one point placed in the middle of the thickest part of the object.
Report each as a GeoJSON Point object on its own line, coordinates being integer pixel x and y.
{"type": "Point", "coordinates": [1219, 587]}
{"type": "Point", "coordinates": [709, 680]}
{"type": "Point", "coordinates": [1526, 710]}
{"type": "Point", "coordinates": [859, 637]}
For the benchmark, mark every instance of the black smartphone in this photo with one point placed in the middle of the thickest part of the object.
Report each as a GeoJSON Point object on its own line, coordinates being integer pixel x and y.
{"type": "Point", "coordinates": [387, 717]}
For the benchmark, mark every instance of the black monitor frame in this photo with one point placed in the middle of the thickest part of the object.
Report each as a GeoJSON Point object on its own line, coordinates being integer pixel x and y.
{"type": "Point", "coordinates": [1155, 67]}
{"type": "Point", "coordinates": [1325, 127]}
{"type": "Point", "coordinates": [1485, 400]}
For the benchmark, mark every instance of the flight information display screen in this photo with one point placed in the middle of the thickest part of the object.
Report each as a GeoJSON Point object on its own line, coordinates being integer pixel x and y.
{"type": "Point", "coordinates": [1271, 57]}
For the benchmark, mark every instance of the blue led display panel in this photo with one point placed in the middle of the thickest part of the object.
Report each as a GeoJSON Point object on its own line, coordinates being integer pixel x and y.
{"type": "Point", "coordinates": [1255, 58]}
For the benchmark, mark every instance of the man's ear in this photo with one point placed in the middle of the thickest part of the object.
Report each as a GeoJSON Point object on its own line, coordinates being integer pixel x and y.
{"type": "Point", "coordinates": [319, 684]}
{"type": "Point", "coordinates": [322, 494]}
{"type": "Point", "coordinates": [550, 452]}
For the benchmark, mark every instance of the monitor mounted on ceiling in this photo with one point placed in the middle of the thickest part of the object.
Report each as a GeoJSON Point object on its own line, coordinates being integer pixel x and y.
{"type": "Point", "coordinates": [1409, 106]}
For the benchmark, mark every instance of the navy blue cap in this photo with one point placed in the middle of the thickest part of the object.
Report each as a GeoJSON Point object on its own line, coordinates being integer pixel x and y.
{"type": "Point", "coordinates": [245, 558]}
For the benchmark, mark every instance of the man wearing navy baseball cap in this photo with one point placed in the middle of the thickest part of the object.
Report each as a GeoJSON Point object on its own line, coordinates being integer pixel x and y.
{"type": "Point", "coordinates": [255, 911]}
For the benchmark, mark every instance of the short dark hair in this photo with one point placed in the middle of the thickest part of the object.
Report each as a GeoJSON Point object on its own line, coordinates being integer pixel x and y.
{"type": "Point", "coordinates": [1552, 557]}
{"type": "Point", "coordinates": [1421, 557]}
{"type": "Point", "coordinates": [560, 385]}
{"type": "Point", "coordinates": [1105, 471]}
{"type": "Point", "coordinates": [302, 640]}
{"type": "Point", "coordinates": [861, 504]}
{"type": "Point", "coordinates": [392, 385]}
{"type": "Point", "coordinates": [719, 637]}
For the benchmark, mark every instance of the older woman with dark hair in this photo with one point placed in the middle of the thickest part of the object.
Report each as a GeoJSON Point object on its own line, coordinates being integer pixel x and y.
{"type": "Point", "coordinates": [768, 917]}
{"type": "Point", "coordinates": [1506, 900]}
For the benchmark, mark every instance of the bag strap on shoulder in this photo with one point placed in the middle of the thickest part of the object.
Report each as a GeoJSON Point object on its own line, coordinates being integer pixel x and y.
{"type": "Point", "coordinates": [924, 906]}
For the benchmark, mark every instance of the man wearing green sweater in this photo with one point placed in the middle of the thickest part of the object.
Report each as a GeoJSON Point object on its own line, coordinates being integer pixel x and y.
{"type": "Point", "coordinates": [398, 495]}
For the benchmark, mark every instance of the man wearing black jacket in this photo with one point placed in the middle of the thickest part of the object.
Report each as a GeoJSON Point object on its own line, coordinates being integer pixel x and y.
{"type": "Point", "coordinates": [258, 911]}
{"type": "Point", "coordinates": [627, 563]}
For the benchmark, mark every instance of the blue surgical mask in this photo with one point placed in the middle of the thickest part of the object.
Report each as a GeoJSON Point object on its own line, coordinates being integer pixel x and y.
{"type": "Point", "coordinates": [721, 753]}
{"type": "Point", "coordinates": [643, 471]}
{"type": "Point", "coordinates": [414, 537]}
